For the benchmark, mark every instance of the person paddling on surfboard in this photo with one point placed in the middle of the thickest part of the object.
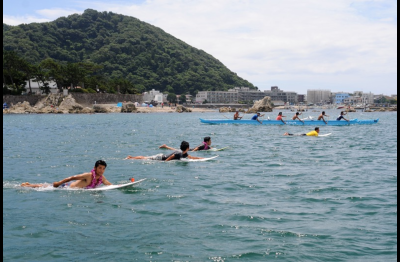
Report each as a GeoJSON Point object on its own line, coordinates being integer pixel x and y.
{"type": "Point", "coordinates": [256, 116]}
{"type": "Point", "coordinates": [90, 179]}
{"type": "Point", "coordinates": [176, 155]}
{"type": "Point", "coordinates": [312, 133]}
{"type": "Point", "coordinates": [206, 145]}
{"type": "Point", "coordinates": [321, 116]}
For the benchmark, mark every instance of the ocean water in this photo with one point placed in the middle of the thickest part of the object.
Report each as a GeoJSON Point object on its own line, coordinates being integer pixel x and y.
{"type": "Point", "coordinates": [268, 197]}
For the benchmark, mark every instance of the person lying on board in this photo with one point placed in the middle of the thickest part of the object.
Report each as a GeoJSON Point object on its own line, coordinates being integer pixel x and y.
{"type": "Point", "coordinates": [296, 116]}
{"type": "Point", "coordinates": [341, 116]}
{"type": "Point", "coordinates": [312, 133]}
{"type": "Point", "coordinates": [90, 179]}
{"type": "Point", "coordinates": [279, 117]}
{"type": "Point", "coordinates": [204, 146]}
{"type": "Point", "coordinates": [256, 116]}
{"type": "Point", "coordinates": [236, 116]}
{"type": "Point", "coordinates": [321, 116]}
{"type": "Point", "coordinates": [176, 155]}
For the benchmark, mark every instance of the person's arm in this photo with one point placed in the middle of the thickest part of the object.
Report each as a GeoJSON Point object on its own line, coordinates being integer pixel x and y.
{"type": "Point", "coordinates": [324, 120]}
{"type": "Point", "coordinates": [106, 182]}
{"type": "Point", "coordinates": [167, 147]}
{"type": "Point", "coordinates": [283, 121]}
{"type": "Point", "coordinates": [196, 148]}
{"type": "Point", "coordinates": [170, 157]}
{"type": "Point", "coordinates": [194, 157]}
{"type": "Point", "coordinates": [83, 176]}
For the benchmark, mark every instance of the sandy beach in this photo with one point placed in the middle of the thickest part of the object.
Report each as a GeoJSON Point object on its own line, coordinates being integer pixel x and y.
{"type": "Point", "coordinates": [167, 109]}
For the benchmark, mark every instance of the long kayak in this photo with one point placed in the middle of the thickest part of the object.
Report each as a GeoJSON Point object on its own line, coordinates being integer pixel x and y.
{"type": "Point", "coordinates": [293, 122]}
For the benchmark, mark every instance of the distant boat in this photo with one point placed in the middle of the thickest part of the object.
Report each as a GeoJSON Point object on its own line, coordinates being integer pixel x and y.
{"type": "Point", "coordinates": [339, 107]}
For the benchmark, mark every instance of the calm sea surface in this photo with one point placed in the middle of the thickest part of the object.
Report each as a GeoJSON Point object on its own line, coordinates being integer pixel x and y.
{"type": "Point", "coordinates": [266, 198]}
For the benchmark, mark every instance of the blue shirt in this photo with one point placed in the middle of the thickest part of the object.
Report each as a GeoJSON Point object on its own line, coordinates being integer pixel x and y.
{"type": "Point", "coordinates": [254, 117]}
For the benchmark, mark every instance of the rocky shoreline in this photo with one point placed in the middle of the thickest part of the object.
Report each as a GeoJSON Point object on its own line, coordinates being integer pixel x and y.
{"type": "Point", "coordinates": [68, 105]}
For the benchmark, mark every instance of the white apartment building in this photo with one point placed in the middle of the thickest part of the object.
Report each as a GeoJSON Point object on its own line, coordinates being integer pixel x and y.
{"type": "Point", "coordinates": [155, 96]}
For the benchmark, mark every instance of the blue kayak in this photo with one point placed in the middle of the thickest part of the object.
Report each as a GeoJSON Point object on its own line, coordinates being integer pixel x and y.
{"type": "Point", "coordinates": [292, 122]}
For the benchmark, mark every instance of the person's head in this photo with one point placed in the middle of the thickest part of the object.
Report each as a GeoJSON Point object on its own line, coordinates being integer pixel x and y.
{"type": "Point", "coordinates": [297, 113]}
{"type": "Point", "coordinates": [207, 139]}
{"type": "Point", "coordinates": [280, 113]}
{"type": "Point", "coordinates": [317, 129]}
{"type": "Point", "coordinates": [100, 167]}
{"type": "Point", "coordinates": [323, 112]}
{"type": "Point", "coordinates": [258, 113]}
{"type": "Point", "coordinates": [341, 112]}
{"type": "Point", "coordinates": [184, 146]}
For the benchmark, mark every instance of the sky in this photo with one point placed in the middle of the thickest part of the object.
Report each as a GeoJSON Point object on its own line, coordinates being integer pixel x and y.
{"type": "Point", "coordinates": [336, 45]}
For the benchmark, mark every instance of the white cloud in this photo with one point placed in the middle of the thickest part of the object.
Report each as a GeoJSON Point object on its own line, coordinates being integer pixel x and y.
{"type": "Point", "coordinates": [267, 42]}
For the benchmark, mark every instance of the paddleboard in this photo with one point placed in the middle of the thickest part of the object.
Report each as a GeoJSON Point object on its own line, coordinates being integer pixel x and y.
{"type": "Point", "coordinates": [198, 160]}
{"type": "Point", "coordinates": [325, 134]}
{"type": "Point", "coordinates": [116, 186]}
{"type": "Point", "coordinates": [216, 149]}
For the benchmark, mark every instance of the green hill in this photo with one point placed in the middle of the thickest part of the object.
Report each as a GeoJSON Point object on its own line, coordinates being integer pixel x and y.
{"type": "Point", "coordinates": [126, 48]}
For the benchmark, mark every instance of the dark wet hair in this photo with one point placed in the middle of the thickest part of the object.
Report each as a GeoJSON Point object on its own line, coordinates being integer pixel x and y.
{"type": "Point", "coordinates": [184, 145]}
{"type": "Point", "coordinates": [317, 128]}
{"type": "Point", "coordinates": [297, 113]}
{"type": "Point", "coordinates": [100, 162]}
{"type": "Point", "coordinates": [341, 112]}
{"type": "Point", "coordinates": [323, 112]}
{"type": "Point", "coordinates": [207, 138]}
{"type": "Point", "coordinates": [280, 113]}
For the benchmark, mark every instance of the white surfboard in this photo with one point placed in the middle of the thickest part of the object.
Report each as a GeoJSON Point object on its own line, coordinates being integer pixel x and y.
{"type": "Point", "coordinates": [198, 160]}
{"type": "Point", "coordinates": [325, 134]}
{"type": "Point", "coordinates": [216, 149]}
{"type": "Point", "coordinates": [116, 186]}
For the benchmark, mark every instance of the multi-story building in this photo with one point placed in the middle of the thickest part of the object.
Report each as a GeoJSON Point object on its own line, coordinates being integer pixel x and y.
{"type": "Point", "coordinates": [155, 96]}
{"type": "Point", "coordinates": [317, 96]}
{"type": "Point", "coordinates": [301, 98]}
{"type": "Point", "coordinates": [279, 95]}
{"type": "Point", "coordinates": [245, 94]}
{"type": "Point", "coordinates": [340, 97]}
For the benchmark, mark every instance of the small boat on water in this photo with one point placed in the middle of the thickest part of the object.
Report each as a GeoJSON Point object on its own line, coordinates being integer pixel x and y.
{"type": "Point", "coordinates": [292, 122]}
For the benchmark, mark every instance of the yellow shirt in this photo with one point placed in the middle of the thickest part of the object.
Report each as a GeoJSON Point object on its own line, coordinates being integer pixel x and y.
{"type": "Point", "coordinates": [312, 133]}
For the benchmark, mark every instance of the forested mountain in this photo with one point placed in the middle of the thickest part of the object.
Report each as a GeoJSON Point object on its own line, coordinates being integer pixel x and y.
{"type": "Point", "coordinates": [125, 47]}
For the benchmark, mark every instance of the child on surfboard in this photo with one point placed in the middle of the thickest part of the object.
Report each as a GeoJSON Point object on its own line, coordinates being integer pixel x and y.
{"type": "Point", "coordinates": [176, 155]}
{"type": "Point", "coordinates": [206, 145]}
{"type": "Point", "coordinates": [90, 179]}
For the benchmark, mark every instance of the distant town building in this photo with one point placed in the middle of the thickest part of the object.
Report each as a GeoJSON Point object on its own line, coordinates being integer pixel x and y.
{"type": "Point", "coordinates": [286, 96]}
{"type": "Point", "coordinates": [340, 97]}
{"type": "Point", "coordinates": [245, 94]}
{"type": "Point", "coordinates": [36, 87]}
{"type": "Point", "coordinates": [360, 98]}
{"type": "Point", "coordinates": [301, 98]}
{"type": "Point", "coordinates": [318, 96]}
{"type": "Point", "coordinates": [155, 96]}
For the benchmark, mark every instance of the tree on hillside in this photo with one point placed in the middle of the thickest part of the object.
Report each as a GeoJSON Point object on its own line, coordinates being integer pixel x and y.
{"type": "Point", "coordinates": [182, 98]}
{"type": "Point", "coordinates": [171, 98]}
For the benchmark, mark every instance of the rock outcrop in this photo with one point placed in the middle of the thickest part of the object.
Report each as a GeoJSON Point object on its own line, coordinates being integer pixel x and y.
{"type": "Point", "coordinates": [225, 109]}
{"type": "Point", "coordinates": [263, 105]}
{"type": "Point", "coordinates": [182, 109]}
{"type": "Point", "coordinates": [128, 107]}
